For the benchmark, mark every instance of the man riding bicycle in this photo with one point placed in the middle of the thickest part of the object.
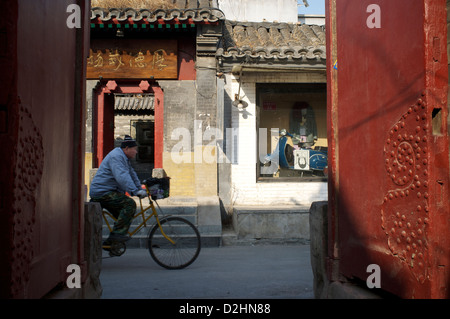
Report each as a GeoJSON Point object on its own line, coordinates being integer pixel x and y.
{"type": "Point", "coordinates": [113, 179]}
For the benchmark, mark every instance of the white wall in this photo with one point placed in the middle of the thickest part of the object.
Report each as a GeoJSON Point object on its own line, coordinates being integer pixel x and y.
{"type": "Point", "coordinates": [245, 189]}
{"type": "Point", "coordinates": [260, 10]}
{"type": "Point", "coordinates": [311, 19]}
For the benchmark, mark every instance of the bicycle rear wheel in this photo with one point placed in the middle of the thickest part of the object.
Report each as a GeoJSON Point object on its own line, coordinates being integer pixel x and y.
{"type": "Point", "coordinates": [185, 248]}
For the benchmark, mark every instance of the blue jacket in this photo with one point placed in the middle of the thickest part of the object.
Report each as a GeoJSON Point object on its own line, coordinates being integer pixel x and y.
{"type": "Point", "coordinates": [115, 174]}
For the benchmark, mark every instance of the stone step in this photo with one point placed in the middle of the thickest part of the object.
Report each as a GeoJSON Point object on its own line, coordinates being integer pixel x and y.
{"type": "Point", "coordinates": [149, 224]}
{"type": "Point", "coordinates": [271, 224]}
{"type": "Point", "coordinates": [230, 238]}
{"type": "Point", "coordinates": [204, 213]}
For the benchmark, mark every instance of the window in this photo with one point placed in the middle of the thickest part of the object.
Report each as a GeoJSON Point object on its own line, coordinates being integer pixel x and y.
{"type": "Point", "coordinates": [292, 132]}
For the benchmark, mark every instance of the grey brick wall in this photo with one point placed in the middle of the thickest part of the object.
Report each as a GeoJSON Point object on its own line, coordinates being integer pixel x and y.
{"type": "Point", "coordinates": [180, 99]}
{"type": "Point", "coordinates": [206, 95]}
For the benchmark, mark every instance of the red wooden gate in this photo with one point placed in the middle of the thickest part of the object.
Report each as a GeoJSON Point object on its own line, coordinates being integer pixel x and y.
{"type": "Point", "coordinates": [42, 63]}
{"type": "Point", "coordinates": [387, 109]}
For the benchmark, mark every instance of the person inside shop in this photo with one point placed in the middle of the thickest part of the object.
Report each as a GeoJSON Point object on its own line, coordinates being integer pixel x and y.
{"type": "Point", "coordinates": [303, 124]}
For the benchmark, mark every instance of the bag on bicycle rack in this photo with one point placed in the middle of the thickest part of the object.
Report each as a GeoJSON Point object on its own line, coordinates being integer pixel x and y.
{"type": "Point", "coordinates": [159, 188]}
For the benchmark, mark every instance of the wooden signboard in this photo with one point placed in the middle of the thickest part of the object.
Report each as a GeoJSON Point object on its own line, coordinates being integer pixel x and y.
{"type": "Point", "coordinates": [132, 59]}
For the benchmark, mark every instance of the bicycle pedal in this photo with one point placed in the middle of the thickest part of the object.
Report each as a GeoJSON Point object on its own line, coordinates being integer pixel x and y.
{"type": "Point", "coordinates": [115, 253]}
{"type": "Point", "coordinates": [117, 249]}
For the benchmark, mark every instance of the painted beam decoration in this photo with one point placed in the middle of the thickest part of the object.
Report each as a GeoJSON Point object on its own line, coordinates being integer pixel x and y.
{"type": "Point", "coordinates": [132, 59]}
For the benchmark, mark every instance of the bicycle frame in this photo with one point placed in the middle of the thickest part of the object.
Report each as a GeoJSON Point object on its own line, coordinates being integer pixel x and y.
{"type": "Point", "coordinates": [144, 219]}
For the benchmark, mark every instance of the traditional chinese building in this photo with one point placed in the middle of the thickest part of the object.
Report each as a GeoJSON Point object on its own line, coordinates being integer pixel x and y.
{"type": "Point", "coordinates": [274, 79]}
{"type": "Point", "coordinates": [170, 79]}
{"type": "Point", "coordinates": [152, 75]}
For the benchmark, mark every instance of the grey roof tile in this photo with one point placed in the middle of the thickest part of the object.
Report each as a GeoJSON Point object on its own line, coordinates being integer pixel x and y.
{"type": "Point", "coordinates": [197, 14]}
{"type": "Point", "coordinates": [133, 102]}
{"type": "Point", "coordinates": [273, 41]}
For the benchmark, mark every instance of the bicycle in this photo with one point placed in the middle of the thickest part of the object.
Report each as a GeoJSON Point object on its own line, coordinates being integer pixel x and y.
{"type": "Point", "coordinates": [173, 241]}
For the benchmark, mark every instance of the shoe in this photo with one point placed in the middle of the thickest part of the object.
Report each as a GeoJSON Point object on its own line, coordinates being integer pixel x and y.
{"type": "Point", "coordinates": [118, 238]}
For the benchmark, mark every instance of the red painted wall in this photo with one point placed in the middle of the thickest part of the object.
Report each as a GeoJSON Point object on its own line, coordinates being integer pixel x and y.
{"type": "Point", "coordinates": [42, 139]}
{"type": "Point", "coordinates": [389, 171]}
{"type": "Point", "coordinates": [103, 122]}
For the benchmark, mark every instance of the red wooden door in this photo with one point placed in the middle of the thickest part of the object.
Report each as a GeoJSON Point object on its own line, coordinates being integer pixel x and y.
{"type": "Point", "coordinates": [41, 138]}
{"type": "Point", "coordinates": [387, 108]}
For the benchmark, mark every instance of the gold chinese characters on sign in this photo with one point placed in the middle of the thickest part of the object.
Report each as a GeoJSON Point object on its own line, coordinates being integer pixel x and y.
{"type": "Point", "coordinates": [132, 59]}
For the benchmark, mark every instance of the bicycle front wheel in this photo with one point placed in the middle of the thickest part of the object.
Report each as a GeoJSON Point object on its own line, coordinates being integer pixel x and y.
{"type": "Point", "coordinates": [184, 249]}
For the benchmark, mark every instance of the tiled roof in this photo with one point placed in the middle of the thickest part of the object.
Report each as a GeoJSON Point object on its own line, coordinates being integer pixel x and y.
{"type": "Point", "coordinates": [133, 102]}
{"type": "Point", "coordinates": [269, 42]}
{"type": "Point", "coordinates": [196, 14]}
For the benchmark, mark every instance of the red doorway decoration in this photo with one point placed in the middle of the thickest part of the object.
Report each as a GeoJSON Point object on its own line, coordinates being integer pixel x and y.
{"type": "Point", "coordinates": [104, 116]}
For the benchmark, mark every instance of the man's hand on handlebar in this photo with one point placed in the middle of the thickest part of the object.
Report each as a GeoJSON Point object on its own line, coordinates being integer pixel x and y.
{"type": "Point", "coordinates": [141, 193]}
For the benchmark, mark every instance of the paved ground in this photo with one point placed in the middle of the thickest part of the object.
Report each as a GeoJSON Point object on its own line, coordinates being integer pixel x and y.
{"type": "Point", "coordinates": [227, 272]}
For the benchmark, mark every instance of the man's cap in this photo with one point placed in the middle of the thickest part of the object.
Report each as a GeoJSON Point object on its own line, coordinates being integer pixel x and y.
{"type": "Point", "coordinates": [128, 141]}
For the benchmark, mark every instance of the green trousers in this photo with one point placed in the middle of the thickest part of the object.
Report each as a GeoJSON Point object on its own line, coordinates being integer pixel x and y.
{"type": "Point", "coordinates": [122, 207]}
